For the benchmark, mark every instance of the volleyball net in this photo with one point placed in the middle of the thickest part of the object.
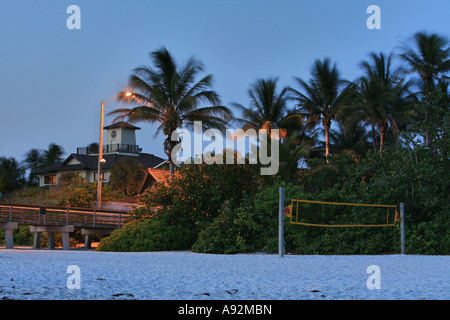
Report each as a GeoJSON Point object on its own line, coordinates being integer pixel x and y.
{"type": "Point", "coordinates": [338, 214]}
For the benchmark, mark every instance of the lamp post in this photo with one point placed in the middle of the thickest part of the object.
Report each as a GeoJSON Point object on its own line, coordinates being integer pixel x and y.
{"type": "Point", "coordinates": [101, 161]}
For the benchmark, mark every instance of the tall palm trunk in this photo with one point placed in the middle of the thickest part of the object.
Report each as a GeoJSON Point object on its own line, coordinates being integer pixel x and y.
{"type": "Point", "coordinates": [324, 95]}
{"type": "Point", "coordinates": [426, 138]}
{"type": "Point", "coordinates": [168, 146]}
{"type": "Point", "coordinates": [383, 127]}
{"type": "Point", "coordinates": [326, 126]}
{"type": "Point", "coordinates": [373, 138]}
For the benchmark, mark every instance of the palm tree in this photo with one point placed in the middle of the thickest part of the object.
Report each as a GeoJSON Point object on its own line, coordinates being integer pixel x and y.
{"type": "Point", "coordinates": [291, 152]}
{"type": "Point", "coordinates": [11, 175]}
{"type": "Point", "coordinates": [323, 95]}
{"type": "Point", "coordinates": [93, 148]}
{"type": "Point", "coordinates": [170, 96]}
{"type": "Point", "coordinates": [381, 67]}
{"type": "Point", "coordinates": [34, 159]}
{"type": "Point", "coordinates": [379, 106]}
{"type": "Point", "coordinates": [267, 108]}
{"type": "Point", "coordinates": [126, 176]}
{"type": "Point", "coordinates": [53, 154]}
{"type": "Point", "coordinates": [352, 138]}
{"type": "Point", "coordinates": [380, 98]}
{"type": "Point", "coordinates": [444, 89]}
{"type": "Point", "coordinates": [306, 135]}
{"type": "Point", "coordinates": [388, 83]}
{"type": "Point", "coordinates": [429, 58]}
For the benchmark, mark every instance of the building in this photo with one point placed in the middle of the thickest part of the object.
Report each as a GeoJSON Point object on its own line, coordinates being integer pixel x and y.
{"type": "Point", "coordinates": [153, 176]}
{"type": "Point", "coordinates": [120, 144]}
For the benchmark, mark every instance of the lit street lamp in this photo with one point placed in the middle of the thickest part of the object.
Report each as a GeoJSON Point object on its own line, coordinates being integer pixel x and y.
{"type": "Point", "coordinates": [101, 161]}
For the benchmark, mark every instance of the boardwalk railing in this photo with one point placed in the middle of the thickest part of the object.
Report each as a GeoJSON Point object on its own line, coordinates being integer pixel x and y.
{"type": "Point", "coordinates": [25, 214]}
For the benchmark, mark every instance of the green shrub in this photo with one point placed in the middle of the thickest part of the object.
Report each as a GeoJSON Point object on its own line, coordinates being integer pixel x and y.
{"type": "Point", "coordinates": [21, 236]}
{"type": "Point", "coordinates": [75, 191]}
{"type": "Point", "coordinates": [222, 209]}
{"type": "Point", "coordinates": [197, 192]}
{"type": "Point", "coordinates": [231, 232]}
{"type": "Point", "coordinates": [148, 235]}
{"type": "Point", "coordinates": [251, 227]}
{"type": "Point", "coordinates": [428, 238]}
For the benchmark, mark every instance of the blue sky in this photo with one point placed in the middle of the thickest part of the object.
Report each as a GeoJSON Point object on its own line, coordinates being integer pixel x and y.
{"type": "Point", "coordinates": [52, 79]}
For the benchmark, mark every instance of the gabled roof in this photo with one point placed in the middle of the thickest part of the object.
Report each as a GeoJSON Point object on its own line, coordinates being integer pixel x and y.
{"type": "Point", "coordinates": [155, 175]}
{"type": "Point", "coordinates": [121, 124]}
{"type": "Point", "coordinates": [90, 162]}
{"type": "Point", "coordinates": [159, 175]}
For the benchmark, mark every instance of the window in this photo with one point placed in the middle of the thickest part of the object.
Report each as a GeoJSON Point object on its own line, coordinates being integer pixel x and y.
{"type": "Point", "coordinates": [50, 179]}
{"type": "Point", "coordinates": [105, 176]}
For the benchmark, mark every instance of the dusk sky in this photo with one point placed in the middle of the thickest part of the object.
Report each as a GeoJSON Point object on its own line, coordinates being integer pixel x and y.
{"type": "Point", "coordinates": [52, 79]}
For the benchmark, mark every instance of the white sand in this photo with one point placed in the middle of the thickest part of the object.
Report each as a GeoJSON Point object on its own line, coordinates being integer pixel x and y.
{"type": "Point", "coordinates": [42, 274]}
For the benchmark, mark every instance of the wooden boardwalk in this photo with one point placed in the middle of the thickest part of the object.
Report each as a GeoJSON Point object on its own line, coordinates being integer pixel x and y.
{"type": "Point", "coordinates": [52, 219]}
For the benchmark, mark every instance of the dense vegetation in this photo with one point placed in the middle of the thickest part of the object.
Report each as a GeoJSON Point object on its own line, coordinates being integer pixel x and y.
{"type": "Point", "coordinates": [382, 138]}
{"type": "Point", "coordinates": [206, 220]}
{"type": "Point", "coordinates": [174, 213]}
{"type": "Point", "coordinates": [389, 144]}
{"type": "Point", "coordinates": [230, 209]}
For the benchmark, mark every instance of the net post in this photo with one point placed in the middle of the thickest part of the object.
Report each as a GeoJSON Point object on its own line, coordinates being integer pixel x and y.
{"type": "Point", "coordinates": [402, 228]}
{"type": "Point", "coordinates": [281, 223]}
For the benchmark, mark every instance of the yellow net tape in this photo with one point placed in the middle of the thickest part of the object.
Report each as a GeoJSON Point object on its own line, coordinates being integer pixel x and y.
{"type": "Point", "coordinates": [288, 211]}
